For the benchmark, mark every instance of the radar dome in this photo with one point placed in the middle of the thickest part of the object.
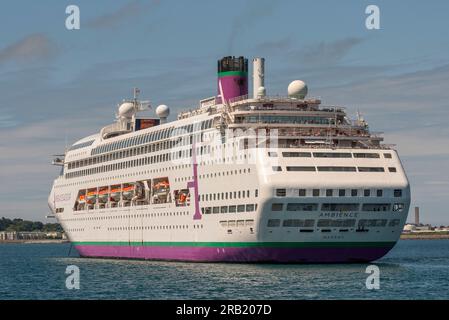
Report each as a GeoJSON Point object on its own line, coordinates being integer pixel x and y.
{"type": "Point", "coordinates": [261, 92]}
{"type": "Point", "coordinates": [297, 89]}
{"type": "Point", "coordinates": [162, 111]}
{"type": "Point", "coordinates": [126, 109]}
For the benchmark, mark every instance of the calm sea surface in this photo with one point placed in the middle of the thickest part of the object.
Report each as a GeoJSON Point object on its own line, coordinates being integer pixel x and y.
{"type": "Point", "coordinates": [414, 269]}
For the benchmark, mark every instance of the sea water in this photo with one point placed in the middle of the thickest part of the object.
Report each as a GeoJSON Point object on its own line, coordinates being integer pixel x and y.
{"type": "Point", "coordinates": [414, 269]}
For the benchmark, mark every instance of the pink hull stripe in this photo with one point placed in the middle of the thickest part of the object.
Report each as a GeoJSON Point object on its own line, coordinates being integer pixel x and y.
{"type": "Point", "coordinates": [236, 254]}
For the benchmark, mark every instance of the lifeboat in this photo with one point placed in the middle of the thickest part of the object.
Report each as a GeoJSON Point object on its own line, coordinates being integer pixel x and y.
{"type": "Point", "coordinates": [103, 194]}
{"type": "Point", "coordinates": [128, 192]}
{"type": "Point", "coordinates": [182, 198]}
{"type": "Point", "coordinates": [91, 196]}
{"type": "Point", "coordinates": [115, 193]}
{"type": "Point", "coordinates": [162, 185]}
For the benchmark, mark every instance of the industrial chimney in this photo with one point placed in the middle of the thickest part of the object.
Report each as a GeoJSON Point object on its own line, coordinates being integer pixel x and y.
{"type": "Point", "coordinates": [258, 77]}
{"type": "Point", "coordinates": [417, 216]}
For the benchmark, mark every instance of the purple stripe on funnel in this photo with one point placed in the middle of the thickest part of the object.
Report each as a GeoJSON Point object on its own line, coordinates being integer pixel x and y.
{"type": "Point", "coordinates": [233, 254]}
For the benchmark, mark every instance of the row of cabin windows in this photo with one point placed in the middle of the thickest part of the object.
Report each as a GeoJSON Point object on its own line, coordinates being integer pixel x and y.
{"type": "Point", "coordinates": [236, 223]}
{"type": "Point", "coordinates": [127, 216]}
{"type": "Point", "coordinates": [293, 154]}
{"type": "Point", "coordinates": [230, 209]}
{"type": "Point", "coordinates": [81, 145]}
{"type": "Point", "coordinates": [153, 136]}
{"type": "Point", "coordinates": [228, 195]}
{"type": "Point", "coordinates": [333, 223]}
{"type": "Point", "coordinates": [164, 227]}
{"type": "Point", "coordinates": [164, 145]}
{"type": "Point", "coordinates": [368, 207]}
{"type": "Point", "coordinates": [397, 193]}
{"type": "Point", "coordinates": [132, 163]}
{"type": "Point", "coordinates": [333, 169]}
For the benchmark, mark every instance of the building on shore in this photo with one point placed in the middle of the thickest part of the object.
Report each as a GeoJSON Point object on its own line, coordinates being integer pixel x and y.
{"type": "Point", "coordinates": [22, 235]}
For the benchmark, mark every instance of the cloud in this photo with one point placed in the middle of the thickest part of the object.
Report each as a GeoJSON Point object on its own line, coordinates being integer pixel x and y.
{"type": "Point", "coordinates": [128, 11]}
{"type": "Point", "coordinates": [249, 15]}
{"type": "Point", "coordinates": [34, 47]}
{"type": "Point", "coordinates": [273, 46]}
{"type": "Point", "coordinates": [326, 53]}
{"type": "Point", "coordinates": [7, 121]}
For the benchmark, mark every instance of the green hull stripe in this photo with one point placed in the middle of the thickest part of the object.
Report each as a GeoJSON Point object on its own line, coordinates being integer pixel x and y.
{"type": "Point", "coordinates": [243, 244]}
{"type": "Point", "coordinates": [232, 73]}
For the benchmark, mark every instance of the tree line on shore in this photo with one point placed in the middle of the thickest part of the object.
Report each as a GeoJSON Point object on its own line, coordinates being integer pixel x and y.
{"type": "Point", "coordinates": [26, 225]}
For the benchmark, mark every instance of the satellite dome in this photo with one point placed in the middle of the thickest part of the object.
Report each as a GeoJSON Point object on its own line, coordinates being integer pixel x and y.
{"type": "Point", "coordinates": [162, 111]}
{"type": "Point", "coordinates": [261, 91]}
{"type": "Point", "coordinates": [126, 110]}
{"type": "Point", "coordinates": [297, 89]}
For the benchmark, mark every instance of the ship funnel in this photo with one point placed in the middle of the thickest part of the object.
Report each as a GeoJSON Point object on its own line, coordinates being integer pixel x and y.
{"type": "Point", "coordinates": [232, 77]}
{"type": "Point", "coordinates": [258, 77]}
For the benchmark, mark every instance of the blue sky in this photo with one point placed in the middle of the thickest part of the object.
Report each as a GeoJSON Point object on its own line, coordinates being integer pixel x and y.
{"type": "Point", "coordinates": [57, 86]}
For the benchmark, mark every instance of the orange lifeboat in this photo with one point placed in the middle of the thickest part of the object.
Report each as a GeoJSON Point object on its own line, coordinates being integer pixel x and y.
{"type": "Point", "coordinates": [103, 194]}
{"type": "Point", "coordinates": [91, 196]}
{"type": "Point", "coordinates": [128, 191]}
{"type": "Point", "coordinates": [115, 193]}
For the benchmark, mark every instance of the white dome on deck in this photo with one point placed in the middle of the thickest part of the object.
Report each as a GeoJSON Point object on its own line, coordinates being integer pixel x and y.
{"type": "Point", "coordinates": [126, 109]}
{"type": "Point", "coordinates": [297, 89]}
{"type": "Point", "coordinates": [162, 111]}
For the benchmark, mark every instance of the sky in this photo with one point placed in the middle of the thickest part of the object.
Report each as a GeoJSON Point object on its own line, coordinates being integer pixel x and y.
{"type": "Point", "coordinates": [58, 85]}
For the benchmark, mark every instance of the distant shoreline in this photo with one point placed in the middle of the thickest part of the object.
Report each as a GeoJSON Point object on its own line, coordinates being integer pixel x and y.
{"type": "Point", "coordinates": [424, 236]}
{"type": "Point", "coordinates": [42, 241]}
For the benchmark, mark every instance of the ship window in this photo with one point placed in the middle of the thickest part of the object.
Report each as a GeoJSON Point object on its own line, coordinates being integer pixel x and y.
{"type": "Point", "coordinates": [366, 155]}
{"type": "Point", "coordinates": [277, 207]}
{"type": "Point", "coordinates": [354, 193]}
{"type": "Point", "coordinates": [340, 206]}
{"type": "Point", "coordinates": [272, 154]}
{"type": "Point", "coordinates": [232, 209]}
{"type": "Point", "coordinates": [379, 192]}
{"type": "Point", "coordinates": [387, 155]}
{"type": "Point", "coordinates": [397, 193]}
{"type": "Point", "coordinates": [341, 192]}
{"type": "Point", "coordinates": [394, 222]}
{"type": "Point", "coordinates": [366, 192]}
{"type": "Point", "coordinates": [371, 169]}
{"type": "Point", "coordinates": [337, 169]}
{"type": "Point", "coordinates": [302, 207]}
{"type": "Point", "coordinates": [302, 192]}
{"type": "Point", "coordinates": [241, 208]}
{"type": "Point", "coordinates": [398, 207]}
{"type": "Point", "coordinates": [224, 209]}
{"type": "Point", "coordinates": [329, 192]}
{"type": "Point", "coordinates": [249, 222]}
{"type": "Point", "coordinates": [216, 210]}
{"type": "Point", "coordinates": [301, 168]}
{"type": "Point", "coordinates": [207, 210]}
{"type": "Point", "coordinates": [277, 168]}
{"type": "Point", "coordinates": [392, 169]}
{"type": "Point", "coordinates": [376, 207]}
{"type": "Point", "coordinates": [332, 155]}
{"type": "Point", "coordinates": [296, 154]}
{"type": "Point", "coordinates": [281, 192]}
{"type": "Point", "coordinates": [316, 192]}
{"type": "Point", "coordinates": [249, 208]}
{"type": "Point", "coordinates": [274, 223]}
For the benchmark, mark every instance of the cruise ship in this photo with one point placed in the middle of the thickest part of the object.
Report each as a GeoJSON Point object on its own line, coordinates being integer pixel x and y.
{"type": "Point", "coordinates": [241, 177]}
